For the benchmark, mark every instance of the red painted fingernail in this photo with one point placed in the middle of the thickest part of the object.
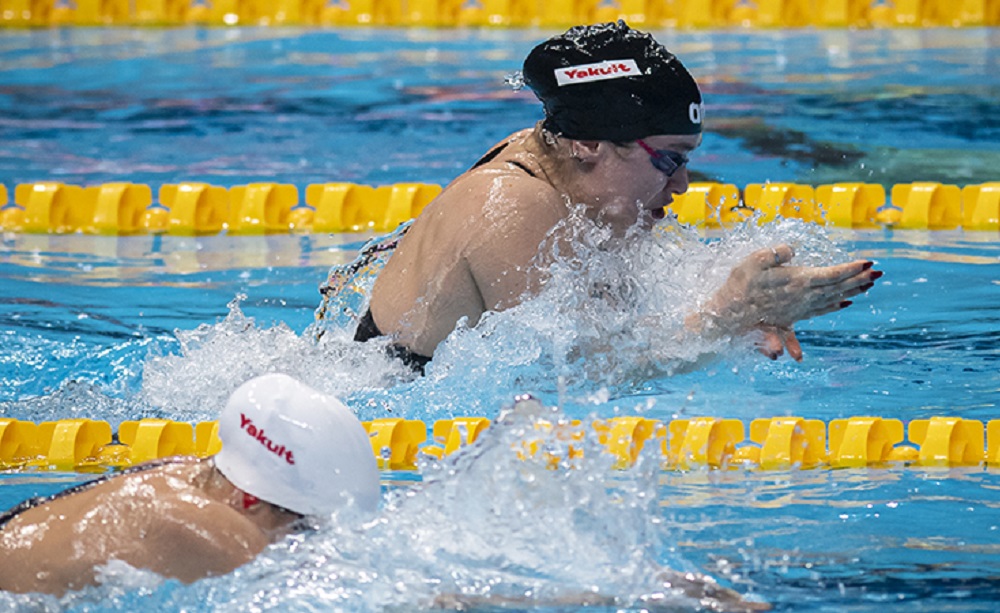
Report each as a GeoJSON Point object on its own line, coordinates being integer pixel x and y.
{"type": "Point", "coordinates": [867, 265]}
{"type": "Point", "coordinates": [876, 274]}
{"type": "Point", "coordinates": [846, 304]}
{"type": "Point", "coordinates": [867, 286]}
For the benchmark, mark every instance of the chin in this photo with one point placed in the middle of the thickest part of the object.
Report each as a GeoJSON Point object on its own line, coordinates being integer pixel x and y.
{"type": "Point", "coordinates": [619, 224]}
{"type": "Point", "coordinates": [649, 218]}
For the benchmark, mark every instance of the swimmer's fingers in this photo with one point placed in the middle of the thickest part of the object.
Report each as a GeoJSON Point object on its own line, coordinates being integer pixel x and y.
{"type": "Point", "coordinates": [732, 601]}
{"type": "Point", "coordinates": [772, 257]}
{"type": "Point", "coordinates": [712, 597]}
{"type": "Point", "coordinates": [833, 308]}
{"type": "Point", "coordinates": [770, 345]}
{"type": "Point", "coordinates": [842, 273]}
{"type": "Point", "coordinates": [667, 603]}
{"type": "Point", "coordinates": [859, 284]}
{"type": "Point", "coordinates": [822, 285]}
{"type": "Point", "coordinates": [776, 340]}
{"type": "Point", "coordinates": [791, 343]}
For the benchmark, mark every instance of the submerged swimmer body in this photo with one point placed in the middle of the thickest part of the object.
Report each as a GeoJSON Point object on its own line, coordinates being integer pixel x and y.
{"type": "Point", "coordinates": [288, 451]}
{"type": "Point", "coordinates": [621, 116]}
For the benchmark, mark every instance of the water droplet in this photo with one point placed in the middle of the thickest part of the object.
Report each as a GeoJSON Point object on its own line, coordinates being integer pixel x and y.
{"type": "Point", "coordinates": [515, 80]}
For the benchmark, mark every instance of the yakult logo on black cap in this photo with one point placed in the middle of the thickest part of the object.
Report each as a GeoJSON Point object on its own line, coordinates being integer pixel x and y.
{"type": "Point", "coordinates": [609, 69]}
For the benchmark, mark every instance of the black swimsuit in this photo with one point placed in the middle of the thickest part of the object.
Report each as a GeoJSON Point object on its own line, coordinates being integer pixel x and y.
{"type": "Point", "coordinates": [367, 330]}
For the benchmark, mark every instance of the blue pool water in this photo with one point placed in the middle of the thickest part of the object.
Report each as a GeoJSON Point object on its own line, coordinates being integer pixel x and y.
{"type": "Point", "coordinates": [121, 328]}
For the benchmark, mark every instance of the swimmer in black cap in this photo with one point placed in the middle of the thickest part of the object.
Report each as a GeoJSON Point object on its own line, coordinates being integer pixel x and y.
{"type": "Point", "coordinates": [622, 114]}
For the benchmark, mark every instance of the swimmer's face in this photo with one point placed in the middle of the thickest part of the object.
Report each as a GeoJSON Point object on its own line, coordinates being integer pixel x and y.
{"type": "Point", "coordinates": [640, 180]}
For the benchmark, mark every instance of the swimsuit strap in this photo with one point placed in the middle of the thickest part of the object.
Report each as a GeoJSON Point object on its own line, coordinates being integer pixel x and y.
{"type": "Point", "coordinates": [31, 503]}
{"type": "Point", "coordinates": [522, 167]}
{"type": "Point", "coordinates": [490, 155]}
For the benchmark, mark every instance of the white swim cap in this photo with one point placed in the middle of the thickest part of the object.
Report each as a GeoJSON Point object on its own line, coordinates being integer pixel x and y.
{"type": "Point", "coordinates": [292, 446]}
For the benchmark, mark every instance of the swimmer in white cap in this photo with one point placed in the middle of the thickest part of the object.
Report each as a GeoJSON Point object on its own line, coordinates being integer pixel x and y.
{"type": "Point", "coordinates": [622, 114]}
{"type": "Point", "coordinates": [287, 451]}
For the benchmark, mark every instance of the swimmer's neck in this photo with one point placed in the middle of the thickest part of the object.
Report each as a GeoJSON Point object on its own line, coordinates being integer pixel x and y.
{"type": "Point", "coordinates": [552, 156]}
{"type": "Point", "coordinates": [568, 174]}
{"type": "Point", "coordinates": [273, 520]}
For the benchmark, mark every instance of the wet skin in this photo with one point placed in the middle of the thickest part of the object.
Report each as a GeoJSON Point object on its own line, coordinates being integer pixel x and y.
{"type": "Point", "coordinates": [182, 520]}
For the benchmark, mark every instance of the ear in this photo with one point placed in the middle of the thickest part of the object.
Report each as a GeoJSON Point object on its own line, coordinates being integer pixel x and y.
{"type": "Point", "coordinates": [585, 150]}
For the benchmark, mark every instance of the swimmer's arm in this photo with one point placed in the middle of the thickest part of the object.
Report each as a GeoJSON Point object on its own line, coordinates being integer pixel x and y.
{"type": "Point", "coordinates": [502, 258]}
{"type": "Point", "coordinates": [201, 542]}
{"type": "Point", "coordinates": [702, 588]}
{"type": "Point", "coordinates": [674, 593]}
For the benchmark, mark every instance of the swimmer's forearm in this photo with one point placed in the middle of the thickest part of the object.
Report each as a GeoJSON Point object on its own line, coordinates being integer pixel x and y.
{"type": "Point", "coordinates": [677, 359]}
{"type": "Point", "coordinates": [707, 324]}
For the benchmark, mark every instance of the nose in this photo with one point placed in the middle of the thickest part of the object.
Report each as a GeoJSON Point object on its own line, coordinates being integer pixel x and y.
{"type": "Point", "coordinates": [678, 182]}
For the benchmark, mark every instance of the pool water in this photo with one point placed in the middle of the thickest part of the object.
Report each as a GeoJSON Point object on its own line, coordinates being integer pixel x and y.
{"type": "Point", "coordinates": [122, 328]}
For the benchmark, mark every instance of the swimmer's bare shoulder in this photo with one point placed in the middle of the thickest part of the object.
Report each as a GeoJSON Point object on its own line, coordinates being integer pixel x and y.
{"type": "Point", "coordinates": [470, 250]}
{"type": "Point", "coordinates": [187, 534]}
{"type": "Point", "coordinates": [55, 545]}
{"type": "Point", "coordinates": [153, 520]}
{"type": "Point", "coordinates": [514, 178]}
{"type": "Point", "coordinates": [519, 209]}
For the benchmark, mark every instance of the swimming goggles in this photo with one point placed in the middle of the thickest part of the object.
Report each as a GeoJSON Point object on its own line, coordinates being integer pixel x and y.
{"type": "Point", "coordinates": [666, 161]}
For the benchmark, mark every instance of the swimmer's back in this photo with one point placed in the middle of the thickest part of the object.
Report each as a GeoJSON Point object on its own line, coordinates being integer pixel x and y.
{"type": "Point", "coordinates": [469, 250]}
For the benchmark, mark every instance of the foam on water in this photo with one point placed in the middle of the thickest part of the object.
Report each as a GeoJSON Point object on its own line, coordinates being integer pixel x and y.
{"type": "Point", "coordinates": [215, 359]}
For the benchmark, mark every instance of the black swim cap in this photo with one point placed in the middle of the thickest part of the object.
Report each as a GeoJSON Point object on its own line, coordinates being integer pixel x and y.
{"type": "Point", "coordinates": [610, 82]}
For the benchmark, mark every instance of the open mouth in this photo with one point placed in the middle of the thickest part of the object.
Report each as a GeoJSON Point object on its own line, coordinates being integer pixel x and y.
{"type": "Point", "coordinates": [659, 213]}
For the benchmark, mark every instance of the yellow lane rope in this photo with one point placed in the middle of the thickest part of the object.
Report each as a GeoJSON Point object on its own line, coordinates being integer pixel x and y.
{"type": "Point", "coordinates": [770, 444]}
{"type": "Point", "coordinates": [192, 208]}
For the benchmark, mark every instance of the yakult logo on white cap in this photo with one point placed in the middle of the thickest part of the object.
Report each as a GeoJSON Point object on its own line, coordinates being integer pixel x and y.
{"type": "Point", "coordinates": [608, 69]}
{"type": "Point", "coordinates": [247, 425]}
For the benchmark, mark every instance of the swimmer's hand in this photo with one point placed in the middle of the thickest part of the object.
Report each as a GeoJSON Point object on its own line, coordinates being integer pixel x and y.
{"type": "Point", "coordinates": [764, 294]}
{"type": "Point", "coordinates": [710, 595]}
